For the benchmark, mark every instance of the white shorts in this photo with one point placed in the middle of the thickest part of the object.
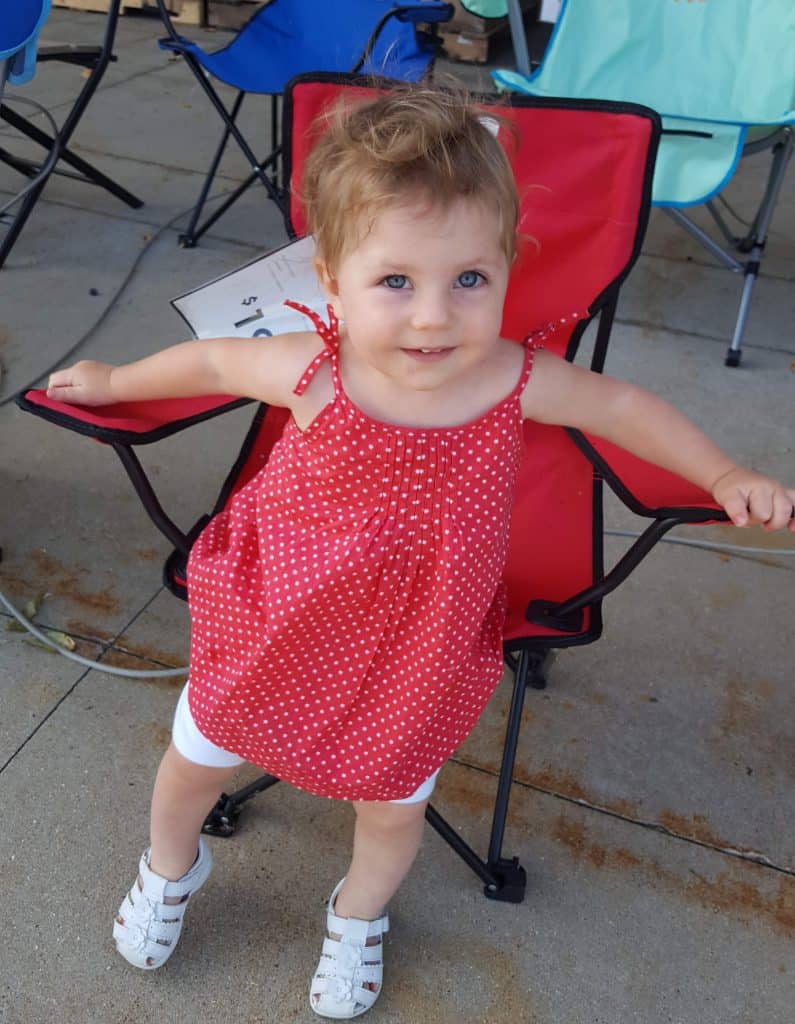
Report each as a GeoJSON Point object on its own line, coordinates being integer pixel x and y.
{"type": "Point", "coordinates": [197, 748]}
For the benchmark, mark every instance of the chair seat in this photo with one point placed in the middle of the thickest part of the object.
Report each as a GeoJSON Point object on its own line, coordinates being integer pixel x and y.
{"type": "Point", "coordinates": [695, 160]}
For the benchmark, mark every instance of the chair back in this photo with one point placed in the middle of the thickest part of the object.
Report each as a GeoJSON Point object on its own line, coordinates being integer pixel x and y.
{"type": "Point", "coordinates": [713, 60]}
{"type": "Point", "coordinates": [584, 173]}
{"type": "Point", "coordinates": [710, 68]}
{"type": "Point", "coordinates": [290, 37]}
{"type": "Point", "coordinates": [19, 29]}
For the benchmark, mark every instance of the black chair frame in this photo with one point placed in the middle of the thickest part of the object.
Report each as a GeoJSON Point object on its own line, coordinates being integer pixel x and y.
{"type": "Point", "coordinates": [95, 59]}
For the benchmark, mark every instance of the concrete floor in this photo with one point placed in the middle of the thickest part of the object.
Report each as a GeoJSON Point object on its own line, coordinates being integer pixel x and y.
{"type": "Point", "coordinates": [653, 801]}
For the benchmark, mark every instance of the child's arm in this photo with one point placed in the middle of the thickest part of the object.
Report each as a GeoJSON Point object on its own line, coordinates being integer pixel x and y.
{"type": "Point", "coordinates": [564, 394]}
{"type": "Point", "coordinates": [265, 369]}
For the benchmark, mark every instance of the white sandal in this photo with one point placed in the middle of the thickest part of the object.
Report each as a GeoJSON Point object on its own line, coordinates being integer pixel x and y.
{"type": "Point", "coordinates": [347, 965]}
{"type": "Point", "coordinates": [147, 928]}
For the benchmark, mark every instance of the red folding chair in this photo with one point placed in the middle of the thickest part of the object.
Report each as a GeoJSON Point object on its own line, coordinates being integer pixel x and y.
{"type": "Point", "coordinates": [584, 174]}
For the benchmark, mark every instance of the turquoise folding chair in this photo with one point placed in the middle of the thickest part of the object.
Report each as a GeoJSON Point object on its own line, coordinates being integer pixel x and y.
{"type": "Point", "coordinates": [722, 74]}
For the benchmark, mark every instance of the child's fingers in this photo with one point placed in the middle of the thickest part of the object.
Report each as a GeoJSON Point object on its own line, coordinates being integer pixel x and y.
{"type": "Point", "coordinates": [772, 507]}
{"type": "Point", "coordinates": [760, 505]}
{"type": "Point", "coordinates": [63, 392]}
{"type": "Point", "coordinates": [736, 508]}
{"type": "Point", "coordinates": [59, 379]}
{"type": "Point", "coordinates": [787, 510]}
{"type": "Point", "coordinates": [782, 511]}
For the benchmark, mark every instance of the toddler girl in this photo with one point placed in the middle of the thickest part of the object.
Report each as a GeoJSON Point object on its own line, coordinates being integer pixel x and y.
{"type": "Point", "coordinates": [373, 542]}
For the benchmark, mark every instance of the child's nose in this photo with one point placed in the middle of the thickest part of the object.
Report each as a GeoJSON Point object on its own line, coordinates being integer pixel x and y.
{"type": "Point", "coordinates": [430, 310]}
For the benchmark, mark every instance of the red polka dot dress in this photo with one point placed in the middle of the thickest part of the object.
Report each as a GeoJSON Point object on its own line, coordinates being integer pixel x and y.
{"type": "Point", "coordinates": [347, 607]}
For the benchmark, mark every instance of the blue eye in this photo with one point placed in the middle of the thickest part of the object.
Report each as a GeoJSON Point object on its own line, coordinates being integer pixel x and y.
{"type": "Point", "coordinates": [469, 279]}
{"type": "Point", "coordinates": [396, 281]}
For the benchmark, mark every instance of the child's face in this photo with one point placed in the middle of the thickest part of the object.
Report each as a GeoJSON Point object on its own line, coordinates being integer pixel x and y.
{"type": "Point", "coordinates": [422, 293]}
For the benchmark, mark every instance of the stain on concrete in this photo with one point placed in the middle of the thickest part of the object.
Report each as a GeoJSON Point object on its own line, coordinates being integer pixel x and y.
{"type": "Point", "coordinates": [159, 735]}
{"type": "Point", "coordinates": [44, 572]}
{"type": "Point", "coordinates": [726, 598]}
{"type": "Point", "coordinates": [467, 792]}
{"type": "Point", "coordinates": [743, 889]}
{"type": "Point", "coordinates": [749, 733]}
{"type": "Point", "coordinates": [552, 781]}
{"type": "Point", "coordinates": [492, 985]}
{"type": "Point", "coordinates": [147, 554]}
{"type": "Point", "coordinates": [149, 652]}
{"type": "Point", "coordinates": [742, 705]}
{"type": "Point", "coordinates": [87, 630]}
{"type": "Point", "coordinates": [125, 659]}
{"type": "Point", "coordinates": [695, 827]}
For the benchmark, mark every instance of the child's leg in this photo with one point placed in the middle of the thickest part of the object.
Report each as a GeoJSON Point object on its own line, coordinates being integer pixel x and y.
{"type": "Point", "coordinates": [191, 776]}
{"type": "Point", "coordinates": [184, 794]}
{"type": "Point", "coordinates": [386, 840]}
{"type": "Point", "coordinates": [385, 843]}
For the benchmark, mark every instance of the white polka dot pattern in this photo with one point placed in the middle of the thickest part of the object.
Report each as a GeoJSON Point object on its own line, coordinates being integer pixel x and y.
{"type": "Point", "coordinates": [347, 606]}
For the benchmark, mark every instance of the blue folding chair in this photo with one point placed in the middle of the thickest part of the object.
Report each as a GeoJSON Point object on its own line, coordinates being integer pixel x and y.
{"type": "Point", "coordinates": [289, 37]}
{"type": "Point", "coordinates": [722, 74]}
{"type": "Point", "coordinates": [20, 52]}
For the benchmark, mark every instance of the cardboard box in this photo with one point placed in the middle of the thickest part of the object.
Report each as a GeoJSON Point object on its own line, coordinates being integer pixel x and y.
{"type": "Point", "coordinates": [467, 36]}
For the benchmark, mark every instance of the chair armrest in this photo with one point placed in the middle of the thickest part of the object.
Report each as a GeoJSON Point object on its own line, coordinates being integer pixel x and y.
{"type": "Point", "coordinates": [646, 489]}
{"type": "Point", "coordinates": [129, 423]}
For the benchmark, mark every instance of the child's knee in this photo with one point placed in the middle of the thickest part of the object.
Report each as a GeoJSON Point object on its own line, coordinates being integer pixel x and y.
{"type": "Point", "coordinates": [180, 770]}
{"type": "Point", "coordinates": [390, 817]}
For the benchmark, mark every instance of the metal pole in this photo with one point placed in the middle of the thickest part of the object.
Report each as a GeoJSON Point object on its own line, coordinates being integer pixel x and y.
{"type": "Point", "coordinates": [518, 37]}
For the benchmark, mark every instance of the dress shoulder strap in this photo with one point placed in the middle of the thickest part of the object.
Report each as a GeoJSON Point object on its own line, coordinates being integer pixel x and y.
{"type": "Point", "coordinates": [329, 335]}
{"type": "Point", "coordinates": [537, 337]}
{"type": "Point", "coordinates": [535, 340]}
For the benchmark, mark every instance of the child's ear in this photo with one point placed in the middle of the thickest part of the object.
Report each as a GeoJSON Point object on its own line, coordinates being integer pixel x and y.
{"type": "Point", "coordinates": [330, 286]}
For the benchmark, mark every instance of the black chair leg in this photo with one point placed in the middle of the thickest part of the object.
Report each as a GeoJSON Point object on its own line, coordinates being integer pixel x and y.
{"type": "Point", "coordinates": [271, 163]}
{"type": "Point", "coordinates": [97, 64]}
{"type": "Point", "coordinates": [504, 879]}
{"type": "Point", "coordinates": [232, 129]}
{"type": "Point", "coordinates": [86, 170]}
{"type": "Point", "coordinates": [193, 234]}
{"type": "Point", "coordinates": [190, 236]}
{"type": "Point", "coordinates": [222, 819]}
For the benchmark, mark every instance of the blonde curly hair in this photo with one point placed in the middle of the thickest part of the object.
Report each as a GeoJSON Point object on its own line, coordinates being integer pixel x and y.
{"type": "Point", "coordinates": [414, 142]}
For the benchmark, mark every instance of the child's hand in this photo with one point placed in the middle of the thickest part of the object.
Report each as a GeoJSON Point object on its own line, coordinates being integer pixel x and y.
{"type": "Point", "coordinates": [751, 499]}
{"type": "Point", "coordinates": [85, 383]}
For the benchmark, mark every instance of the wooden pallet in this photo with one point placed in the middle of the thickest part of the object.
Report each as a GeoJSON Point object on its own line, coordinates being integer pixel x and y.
{"type": "Point", "coordinates": [101, 6]}
{"type": "Point", "coordinates": [230, 14]}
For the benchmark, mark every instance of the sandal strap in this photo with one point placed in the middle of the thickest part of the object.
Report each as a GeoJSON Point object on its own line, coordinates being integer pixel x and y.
{"type": "Point", "coordinates": [343, 993]}
{"type": "Point", "coordinates": [147, 928]}
{"type": "Point", "coordinates": [378, 926]}
{"type": "Point", "coordinates": [345, 968]}
{"type": "Point", "coordinates": [157, 889]}
{"type": "Point", "coordinates": [363, 930]}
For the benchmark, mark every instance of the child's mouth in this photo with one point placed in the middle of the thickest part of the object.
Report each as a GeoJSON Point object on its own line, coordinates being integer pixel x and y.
{"type": "Point", "coordinates": [427, 355]}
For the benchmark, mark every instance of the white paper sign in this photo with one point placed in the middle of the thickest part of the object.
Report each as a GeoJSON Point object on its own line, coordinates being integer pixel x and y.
{"type": "Point", "coordinates": [249, 302]}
